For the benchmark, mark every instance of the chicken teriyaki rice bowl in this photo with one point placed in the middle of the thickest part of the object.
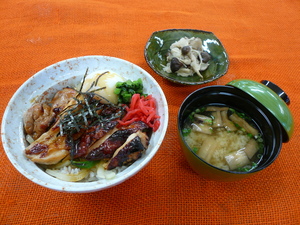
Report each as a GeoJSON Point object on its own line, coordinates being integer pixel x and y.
{"type": "Point", "coordinates": [92, 131]}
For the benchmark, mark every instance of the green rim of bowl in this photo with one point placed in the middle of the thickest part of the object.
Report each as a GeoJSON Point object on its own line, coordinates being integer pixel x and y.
{"type": "Point", "coordinates": [270, 100]}
{"type": "Point", "coordinates": [160, 41]}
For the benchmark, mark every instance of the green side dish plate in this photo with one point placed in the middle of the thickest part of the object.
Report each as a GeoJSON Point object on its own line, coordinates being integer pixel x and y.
{"type": "Point", "coordinates": [159, 44]}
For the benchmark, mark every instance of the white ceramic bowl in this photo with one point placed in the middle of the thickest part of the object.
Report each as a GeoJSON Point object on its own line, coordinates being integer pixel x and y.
{"type": "Point", "coordinates": [53, 78]}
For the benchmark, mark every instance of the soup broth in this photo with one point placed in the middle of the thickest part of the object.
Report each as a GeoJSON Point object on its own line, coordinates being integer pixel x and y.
{"type": "Point", "coordinates": [224, 137]}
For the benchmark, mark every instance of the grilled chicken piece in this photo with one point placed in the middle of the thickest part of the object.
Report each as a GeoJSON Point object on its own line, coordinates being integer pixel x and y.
{"type": "Point", "coordinates": [130, 151]}
{"type": "Point", "coordinates": [93, 134]}
{"type": "Point", "coordinates": [62, 98]}
{"type": "Point", "coordinates": [49, 148]}
{"type": "Point", "coordinates": [105, 148]}
{"type": "Point", "coordinates": [39, 118]}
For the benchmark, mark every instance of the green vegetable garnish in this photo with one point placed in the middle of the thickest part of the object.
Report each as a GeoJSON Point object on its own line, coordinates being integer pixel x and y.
{"type": "Point", "coordinates": [202, 109]}
{"type": "Point", "coordinates": [195, 149]}
{"type": "Point", "coordinates": [240, 114]}
{"type": "Point", "coordinates": [247, 168]}
{"type": "Point", "coordinates": [84, 164]}
{"type": "Point", "coordinates": [208, 121]}
{"type": "Point", "coordinates": [197, 111]}
{"type": "Point", "coordinates": [186, 131]}
{"type": "Point", "coordinates": [191, 116]}
{"type": "Point", "coordinates": [126, 89]}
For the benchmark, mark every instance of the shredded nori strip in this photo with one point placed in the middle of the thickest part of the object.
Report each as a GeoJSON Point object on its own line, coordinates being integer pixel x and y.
{"type": "Point", "coordinates": [85, 113]}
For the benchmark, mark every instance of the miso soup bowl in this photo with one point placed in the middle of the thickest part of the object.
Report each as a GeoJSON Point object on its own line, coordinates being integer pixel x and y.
{"type": "Point", "coordinates": [264, 102]}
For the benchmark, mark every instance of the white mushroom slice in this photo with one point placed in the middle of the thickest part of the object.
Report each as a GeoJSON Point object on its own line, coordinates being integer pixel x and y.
{"type": "Point", "coordinates": [204, 119]}
{"type": "Point", "coordinates": [217, 122]}
{"type": "Point", "coordinates": [167, 68]}
{"type": "Point", "coordinates": [251, 148]}
{"type": "Point", "coordinates": [243, 123]}
{"type": "Point", "coordinates": [196, 43]}
{"type": "Point", "coordinates": [186, 60]}
{"type": "Point", "coordinates": [195, 64]}
{"type": "Point", "coordinates": [185, 72]}
{"type": "Point", "coordinates": [228, 124]}
{"type": "Point", "coordinates": [176, 52]}
{"type": "Point", "coordinates": [202, 128]}
{"type": "Point", "coordinates": [196, 68]}
{"type": "Point", "coordinates": [207, 148]}
{"type": "Point", "coordinates": [199, 59]}
{"type": "Point", "coordinates": [216, 108]}
{"type": "Point", "coordinates": [179, 44]}
{"type": "Point", "coordinates": [203, 66]}
{"type": "Point", "coordinates": [237, 160]}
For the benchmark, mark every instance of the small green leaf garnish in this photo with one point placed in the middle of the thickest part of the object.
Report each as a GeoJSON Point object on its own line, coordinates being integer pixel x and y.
{"type": "Point", "coordinates": [84, 164]}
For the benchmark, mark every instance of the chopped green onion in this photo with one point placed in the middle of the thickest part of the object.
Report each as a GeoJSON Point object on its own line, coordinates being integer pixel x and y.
{"type": "Point", "coordinates": [247, 168]}
{"type": "Point", "coordinates": [250, 135]}
{"type": "Point", "coordinates": [125, 90]}
{"type": "Point", "coordinates": [186, 131]}
{"type": "Point", "coordinates": [117, 91]}
{"type": "Point", "coordinates": [197, 111]}
{"type": "Point", "coordinates": [209, 121]}
{"type": "Point", "coordinates": [259, 156]}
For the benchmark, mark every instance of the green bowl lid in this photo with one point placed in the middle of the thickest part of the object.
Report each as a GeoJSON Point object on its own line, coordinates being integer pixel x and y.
{"type": "Point", "coordinates": [272, 97]}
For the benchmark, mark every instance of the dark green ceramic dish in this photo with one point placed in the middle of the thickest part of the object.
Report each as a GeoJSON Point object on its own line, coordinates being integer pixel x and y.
{"type": "Point", "coordinates": [160, 41]}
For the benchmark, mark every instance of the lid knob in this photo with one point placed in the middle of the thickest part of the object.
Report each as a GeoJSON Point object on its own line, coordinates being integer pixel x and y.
{"type": "Point", "coordinates": [277, 90]}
